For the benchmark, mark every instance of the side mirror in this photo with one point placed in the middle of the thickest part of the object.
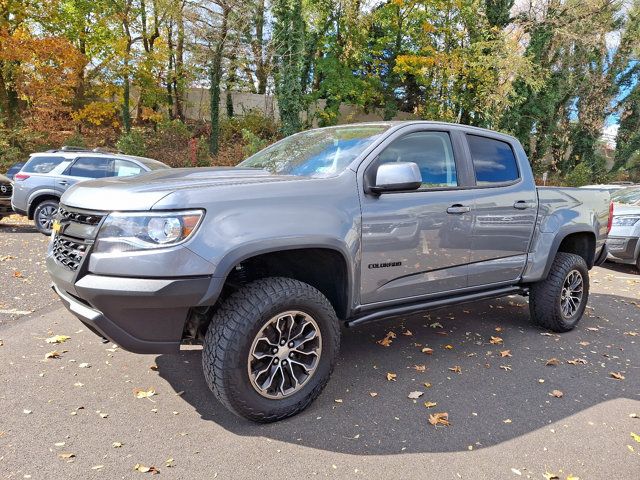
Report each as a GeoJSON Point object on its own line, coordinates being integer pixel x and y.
{"type": "Point", "coordinates": [395, 177]}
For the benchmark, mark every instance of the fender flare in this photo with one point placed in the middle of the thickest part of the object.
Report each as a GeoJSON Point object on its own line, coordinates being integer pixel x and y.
{"type": "Point", "coordinates": [260, 247]}
{"type": "Point", "coordinates": [559, 238]}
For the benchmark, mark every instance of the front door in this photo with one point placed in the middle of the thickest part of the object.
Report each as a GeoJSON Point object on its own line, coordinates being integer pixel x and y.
{"type": "Point", "coordinates": [417, 243]}
{"type": "Point", "coordinates": [84, 168]}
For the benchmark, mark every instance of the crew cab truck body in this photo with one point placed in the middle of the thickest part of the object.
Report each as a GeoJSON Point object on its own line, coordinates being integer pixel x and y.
{"type": "Point", "coordinates": [262, 263]}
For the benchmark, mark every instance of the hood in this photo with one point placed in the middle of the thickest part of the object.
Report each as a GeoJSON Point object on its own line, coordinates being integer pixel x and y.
{"type": "Point", "coordinates": [141, 192]}
{"type": "Point", "coordinates": [4, 179]}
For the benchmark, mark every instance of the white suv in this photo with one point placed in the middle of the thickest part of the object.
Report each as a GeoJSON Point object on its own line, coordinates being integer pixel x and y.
{"type": "Point", "coordinates": [38, 186]}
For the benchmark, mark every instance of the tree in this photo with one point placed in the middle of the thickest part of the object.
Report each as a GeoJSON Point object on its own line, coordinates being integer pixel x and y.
{"type": "Point", "coordinates": [288, 38]}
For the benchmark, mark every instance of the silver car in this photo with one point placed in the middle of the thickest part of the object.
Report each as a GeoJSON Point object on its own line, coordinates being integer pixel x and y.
{"type": "Point", "coordinates": [624, 239]}
{"type": "Point", "coordinates": [46, 176]}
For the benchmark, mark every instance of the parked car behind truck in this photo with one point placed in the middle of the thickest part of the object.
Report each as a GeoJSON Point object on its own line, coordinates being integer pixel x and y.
{"type": "Point", "coordinates": [624, 239]}
{"type": "Point", "coordinates": [6, 188]}
{"type": "Point", "coordinates": [262, 263]}
{"type": "Point", "coordinates": [47, 175]}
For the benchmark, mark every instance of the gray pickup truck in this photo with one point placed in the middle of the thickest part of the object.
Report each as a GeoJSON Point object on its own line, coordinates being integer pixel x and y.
{"type": "Point", "coordinates": [264, 262]}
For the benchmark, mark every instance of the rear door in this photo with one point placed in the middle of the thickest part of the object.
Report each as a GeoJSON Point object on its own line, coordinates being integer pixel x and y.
{"type": "Point", "coordinates": [417, 243]}
{"type": "Point", "coordinates": [504, 212]}
{"type": "Point", "coordinates": [84, 168]}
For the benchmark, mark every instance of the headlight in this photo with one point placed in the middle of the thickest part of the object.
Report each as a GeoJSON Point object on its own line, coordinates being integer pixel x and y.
{"type": "Point", "coordinates": [625, 221]}
{"type": "Point", "coordinates": [128, 231]}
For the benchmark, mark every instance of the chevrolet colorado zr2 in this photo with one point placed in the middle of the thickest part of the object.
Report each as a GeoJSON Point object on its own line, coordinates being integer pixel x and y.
{"type": "Point", "coordinates": [263, 263]}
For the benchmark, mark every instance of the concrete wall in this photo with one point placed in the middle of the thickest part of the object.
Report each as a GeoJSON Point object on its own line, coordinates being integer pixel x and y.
{"type": "Point", "coordinates": [197, 107]}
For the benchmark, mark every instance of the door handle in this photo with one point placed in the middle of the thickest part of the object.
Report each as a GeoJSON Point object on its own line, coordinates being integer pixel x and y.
{"type": "Point", "coordinates": [458, 209]}
{"type": "Point", "coordinates": [63, 182]}
{"type": "Point", "coordinates": [521, 205]}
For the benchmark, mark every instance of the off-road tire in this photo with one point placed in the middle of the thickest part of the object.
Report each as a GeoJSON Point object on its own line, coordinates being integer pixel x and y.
{"type": "Point", "coordinates": [232, 330]}
{"type": "Point", "coordinates": [36, 214]}
{"type": "Point", "coordinates": [545, 295]}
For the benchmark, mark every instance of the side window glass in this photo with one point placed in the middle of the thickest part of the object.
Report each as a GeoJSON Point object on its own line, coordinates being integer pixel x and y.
{"type": "Point", "coordinates": [493, 160]}
{"type": "Point", "coordinates": [42, 164]}
{"type": "Point", "coordinates": [89, 167]}
{"type": "Point", "coordinates": [431, 151]}
{"type": "Point", "coordinates": [124, 168]}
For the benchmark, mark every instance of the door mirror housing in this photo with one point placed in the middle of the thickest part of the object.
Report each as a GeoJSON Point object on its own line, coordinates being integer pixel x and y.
{"type": "Point", "coordinates": [397, 177]}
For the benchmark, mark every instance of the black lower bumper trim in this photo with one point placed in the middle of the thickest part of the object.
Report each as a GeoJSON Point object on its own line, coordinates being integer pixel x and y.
{"type": "Point", "coordinates": [103, 327]}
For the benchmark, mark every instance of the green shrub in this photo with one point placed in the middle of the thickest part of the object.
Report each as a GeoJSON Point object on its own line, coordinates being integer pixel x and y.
{"type": "Point", "coordinates": [75, 140]}
{"type": "Point", "coordinates": [253, 121]}
{"type": "Point", "coordinates": [580, 175]}
{"type": "Point", "coordinates": [132, 143]}
{"type": "Point", "coordinates": [252, 142]}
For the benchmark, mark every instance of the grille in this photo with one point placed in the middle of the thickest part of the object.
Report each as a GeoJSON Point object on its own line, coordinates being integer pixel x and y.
{"type": "Point", "coordinates": [77, 217]}
{"type": "Point", "coordinates": [69, 252]}
{"type": "Point", "coordinates": [6, 189]}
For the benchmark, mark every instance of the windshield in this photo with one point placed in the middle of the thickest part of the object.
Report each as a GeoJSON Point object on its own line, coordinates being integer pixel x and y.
{"type": "Point", "coordinates": [630, 196]}
{"type": "Point", "coordinates": [316, 153]}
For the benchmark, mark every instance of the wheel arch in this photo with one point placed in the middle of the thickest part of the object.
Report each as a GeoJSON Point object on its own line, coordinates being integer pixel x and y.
{"type": "Point", "coordinates": [324, 267]}
{"type": "Point", "coordinates": [38, 199]}
{"type": "Point", "coordinates": [578, 241]}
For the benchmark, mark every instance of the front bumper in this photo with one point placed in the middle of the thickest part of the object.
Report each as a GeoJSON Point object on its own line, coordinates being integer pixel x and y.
{"type": "Point", "coordinates": [5, 206]}
{"type": "Point", "coordinates": [623, 248]}
{"type": "Point", "coordinates": [139, 315]}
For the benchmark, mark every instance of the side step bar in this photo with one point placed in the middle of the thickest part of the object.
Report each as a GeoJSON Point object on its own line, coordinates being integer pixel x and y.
{"type": "Point", "coordinates": [397, 310]}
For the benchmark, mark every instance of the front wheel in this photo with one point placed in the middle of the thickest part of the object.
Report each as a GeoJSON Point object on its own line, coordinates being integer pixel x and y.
{"type": "Point", "coordinates": [44, 215]}
{"type": "Point", "coordinates": [558, 302]}
{"type": "Point", "coordinates": [270, 348]}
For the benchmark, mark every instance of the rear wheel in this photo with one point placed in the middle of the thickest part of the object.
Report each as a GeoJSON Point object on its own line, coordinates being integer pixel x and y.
{"type": "Point", "coordinates": [270, 348]}
{"type": "Point", "coordinates": [44, 214]}
{"type": "Point", "coordinates": [559, 301]}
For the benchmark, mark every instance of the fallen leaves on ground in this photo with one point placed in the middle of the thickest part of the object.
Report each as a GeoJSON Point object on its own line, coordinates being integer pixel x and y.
{"type": "Point", "coordinates": [142, 393]}
{"type": "Point", "coordinates": [556, 393]}
{"type": "Point", "coordinates": [407, 333]}
{"type": "Point", "coordinates": [436, 325]}
{"type": "Point", "coordinates": [552, 362]}
{"type": "Point", "coordinates": [387, 340]}
{"type": "Point", "coordinates": [427, 350]}
{"type": "Point", "coordinates": [448, 347]}
{"type": "Point", "coordinates": [116, 444]}
{"type": "Point", "coordinates": [391, 376]}
{"type": "Point", "coordinates": [415, 395]}
{"type": "Point", "coordinates": [496, 340]}
{"type": "Point", "coordinates": [66, 456]}
{"type": "Point", "coordinates": [456, 369]}
{"type": "Point", "coordinates": [57, 339]}
{"type": "Point", "coordinates": [373, 394]}
{"type": "Point", "coordinates": [143, 469]}
{"type": "Point", "coordinates": [505, 353]}
{"type": "Point", "coordinates": [338, 400]}
{"type": "Point", "coordinates": [430, 404]}
{"type": "Point", "coordinates": [635, 436]}
{"type": "Point", "coordinates": [617, 375]}
{"type": "Point", "coordinates": [84, 365]}
{"type": "Point", "coordinates": [577, 361]}
{"type": "Point", "coordinates": [420, 368]}
{"type": "Point", "coordinates": [441, 418]}
{"type": "Point", "coordinates": [53, 354]}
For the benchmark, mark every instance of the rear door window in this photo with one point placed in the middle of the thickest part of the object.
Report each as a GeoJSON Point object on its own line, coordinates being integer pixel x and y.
{"type": "Point", "coordinates": [91, 167]}
{"type": "Point", "coordinates": [493, 160]}
{"type": "Point", "coordinates": [124, 168]}
{"type": "Point", "coordinates": [42, 164]}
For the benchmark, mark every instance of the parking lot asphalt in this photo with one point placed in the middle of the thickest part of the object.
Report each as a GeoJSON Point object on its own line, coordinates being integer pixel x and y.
{"type": "Point", "coordinates": [521, 402]}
